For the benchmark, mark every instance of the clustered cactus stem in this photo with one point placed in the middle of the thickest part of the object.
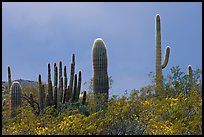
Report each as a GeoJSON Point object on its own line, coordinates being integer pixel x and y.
{"type": "Point", "coordinates": [60, 89]}
{"type": "Point", "coordinates": [79, 86]}
{"type": "Point", "coordinates": [71, 80]}
{"type": "Point", "coordinates": [75, 89]}
{"type": "Point", "coordinates": [100, 74]}
{"type": "Point", "coordinates": [9, 78]}
{"type": "Point", "coordinates": [16, 97]}
{"type": "Point", "coordinates": [41, 93]}
{"type": "Point", "coordinates": [159, 66]}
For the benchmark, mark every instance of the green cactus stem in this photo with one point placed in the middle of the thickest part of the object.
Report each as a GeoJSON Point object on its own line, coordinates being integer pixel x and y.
{"type": "Point", "coordinates": [100, 74]}
{"type": "Point", "coordinates": [159, 66]}
{"type": "Point", "coordinates": [49, 99]}
{"type": "Point", "coordinates": [9, 78]}
{"type": "Point", "coordinates": [49, 70]}
{"type": "Point", "coordinates": [41, 93]}
{"type": "Point", "coordinates": [16, 97]}
{"type": "Point", "coordinates": [60, 69]}
{"type": "Point", "coordinates": [84, 98]}
{"type": "Point", "coordinates": [75, 89]}
{"type": "Point", "coordinates": [55, 75]}
{"type": "Point", "coordinates": [79, 86]}
{"type": "Point", "coordinates": [68, 94]}
{"type": "Point", "coordinates": [60, 89]}
{"type": "Point", "coordinates": [55, 97]}
{"type": "Point", "coordinates": [71, 80]}
{"type": "Point", "coordinates": [190, 77]}
{"type": "Point", "coordinates": [65, 84]}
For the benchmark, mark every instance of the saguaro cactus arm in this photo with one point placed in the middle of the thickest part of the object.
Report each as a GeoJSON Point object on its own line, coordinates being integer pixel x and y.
{"type": "Point", "coordinates": [166, 59]}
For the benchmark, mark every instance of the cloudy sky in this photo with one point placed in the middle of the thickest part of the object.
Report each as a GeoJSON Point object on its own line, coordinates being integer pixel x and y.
{"type": "Point", "coordinates": [35, 34]}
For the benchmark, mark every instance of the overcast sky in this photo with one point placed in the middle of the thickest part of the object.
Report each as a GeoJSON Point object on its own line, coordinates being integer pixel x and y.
{"type": "Point", "coordinates": [35, 34]}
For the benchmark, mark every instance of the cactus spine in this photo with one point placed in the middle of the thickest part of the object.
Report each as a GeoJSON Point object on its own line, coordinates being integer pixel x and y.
{"type": "Point", "coordinates": [100, 74]}
{"type": "Point", "coordinates": [159, 66]}
{"type": "Point", "coordinates": [16, 97]}
{"type": "Point", "coordinates": [9, 78]}
{"type": "Point", "coordinates": [79, 86]}
{"type": "Point", "coordinates": [41, 93]}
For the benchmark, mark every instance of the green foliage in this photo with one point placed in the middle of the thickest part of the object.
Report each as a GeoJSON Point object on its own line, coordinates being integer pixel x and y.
{"type": "Point", "coordinates": [175, 112]}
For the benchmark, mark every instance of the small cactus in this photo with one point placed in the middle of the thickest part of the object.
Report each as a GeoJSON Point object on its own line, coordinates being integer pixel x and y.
{"type": "Point", "coordinates": [9, 78]}
{"type": "Point", "coordinates": [159, 66]}
{"type": "Point", "coordinates": [16, 97]}
{"type": "Point", "coordinates": [100, 74]}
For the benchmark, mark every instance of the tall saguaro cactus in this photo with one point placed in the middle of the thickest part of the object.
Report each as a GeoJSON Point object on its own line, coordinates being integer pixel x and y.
{"type": "Point", "coordinates": [9, 78]}
{"type": "Point", "coordinates": [100, 74]}
{"type": "Point", "coordinates": [16, 97]}
{"type": "Point", "coordinates": [159, 66]}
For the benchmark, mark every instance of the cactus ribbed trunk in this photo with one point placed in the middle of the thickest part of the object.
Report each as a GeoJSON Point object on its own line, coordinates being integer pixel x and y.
{"type": "Point", "coordinates": [159, 65]}
{"type": "Point", "coordinates": [68, 94]}
{"type": "Point", "coordinates": [100, 74]}
{"type": "Point", "coordinates": [9, 78]}
{"type": "Point", "coordinates": [16, 97]}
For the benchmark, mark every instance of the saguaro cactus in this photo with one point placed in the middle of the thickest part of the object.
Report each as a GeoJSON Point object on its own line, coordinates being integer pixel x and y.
{"type": "Point", "coordinates": [100, 74]}
{"type": "Point", "coordinates": [9, 78]}
{"type": "Point", "coordinates": [16, 97]}
{"type": "Point", "coordinates": [41, 93]}
{"type": "Point", "coordinates": [159, 66]}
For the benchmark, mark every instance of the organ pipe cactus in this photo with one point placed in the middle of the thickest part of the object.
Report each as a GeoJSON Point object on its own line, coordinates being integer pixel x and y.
{"type": "Point", "coordinates": [159, 66]}
{"type": "Point", "coordinates": [84, 98]}
{"type": "Point", "coordinates": [41, 93]}
{"type": "Point", "coordinates": [100, 74]}
{"type": "Point", "coordinates": [55, 99]}
{"type": "Point", "coordinates": [71, 80]}
{"type": "Point", "coordinates": [16, 97]}
{"type": "Point", "coordinates": [65, 84]}
{"type": "Point", "coordinates": [79, 86]}
{"type": "Point", "coordinates": [49, 99]}
{"type": "Point", "coordinates": [60, 89]}
{"type": "Point", "coordinates": [75, 89]}
{"type": "Point", "coordinates": [9, 78]}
